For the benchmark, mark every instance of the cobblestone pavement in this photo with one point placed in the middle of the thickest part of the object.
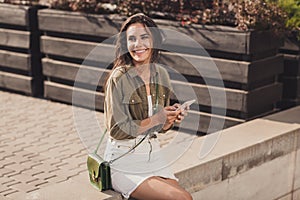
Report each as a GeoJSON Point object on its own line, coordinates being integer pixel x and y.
{"type": "Point", "coordinates": [39, 145]}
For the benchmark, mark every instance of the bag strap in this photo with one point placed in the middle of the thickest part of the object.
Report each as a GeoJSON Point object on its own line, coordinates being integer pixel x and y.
{"type": "Point", "coordinates": [132, 148]}
{"type": "Point", "coordinates": [101, 139]}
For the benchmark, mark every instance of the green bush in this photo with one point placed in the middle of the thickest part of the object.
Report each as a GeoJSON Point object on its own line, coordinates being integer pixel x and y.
{"type": "Point", "coordinates": [292, 8]}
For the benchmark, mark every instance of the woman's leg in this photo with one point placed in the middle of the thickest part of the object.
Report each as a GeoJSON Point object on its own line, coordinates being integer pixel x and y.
{"type": "Point", "coordinates": [157, 188]}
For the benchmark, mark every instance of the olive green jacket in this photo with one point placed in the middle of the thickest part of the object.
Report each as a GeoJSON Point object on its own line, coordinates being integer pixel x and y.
{"type": "Point", "coordinates": [126, 103]}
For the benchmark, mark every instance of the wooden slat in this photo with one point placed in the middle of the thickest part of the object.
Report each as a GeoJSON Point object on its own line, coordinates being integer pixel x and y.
{"type": "Point", "coordinates": [232, 40]}
{"type": "Point", "coordinates": [82, 97]}
{"type": "Point", "coordinates": [14, 38]}
{"type": "Point", "coordinates": [13, 14]}
{"type": "Point", "coordinates": [291, 65]}
{"type": "Point", "coordinates": [72, 72]}
{"type": "Point", "coordinates": [262, 41]}
{"type": "Point", "coordinates": [231, 70]}
{"type": "Point", "coordinates": [263, 99]}
{"type": "Point", "coordinates": [15, 82]}
{"type": "Point", "coordinates": [15, 60]}
{"type": "Point", "coordinates": [227, 70]}
{"type": "Point", "coordinates": [101, 53]}
{"type": "Point", "coordinates": [233, 99]}
{"type": "Point", "coordinates": [265, 68]}
{"type": "Point", "coordinates": [206, 122]}
{"type": "Point", "coordinates": [290, 45]}
{"type": "Point", "coordinates": [87, 24]}
{"type": "Point", "coordinates": [291, 87]}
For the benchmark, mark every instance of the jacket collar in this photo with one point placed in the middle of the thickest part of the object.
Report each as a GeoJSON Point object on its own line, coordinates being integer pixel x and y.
{"type": "Point", "coordinates": [130, 69]}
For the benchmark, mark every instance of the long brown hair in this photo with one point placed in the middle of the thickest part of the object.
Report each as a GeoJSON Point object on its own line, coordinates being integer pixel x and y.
{"type": "Point", "coordinates": [122, 54]}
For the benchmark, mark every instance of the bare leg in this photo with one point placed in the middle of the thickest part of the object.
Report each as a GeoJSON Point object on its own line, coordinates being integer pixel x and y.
{"type": "Point", "coordinates": [157, 188]}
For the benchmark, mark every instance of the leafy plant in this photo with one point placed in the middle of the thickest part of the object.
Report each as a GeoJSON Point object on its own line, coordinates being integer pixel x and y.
{"type": "Point", "coordinates": [292, 8]}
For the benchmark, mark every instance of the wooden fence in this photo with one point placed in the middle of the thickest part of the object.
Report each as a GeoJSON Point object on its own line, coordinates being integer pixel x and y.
{"type": "Point", "coordinates": [247, 61]}
{"type": "Point", "coordinates": [56, 54]}
{"type": "Point", "coordinates": [20, 67]}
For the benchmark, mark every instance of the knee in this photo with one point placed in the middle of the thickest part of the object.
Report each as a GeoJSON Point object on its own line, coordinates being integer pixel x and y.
{"type": "Point", "coordinates": [183, 195]}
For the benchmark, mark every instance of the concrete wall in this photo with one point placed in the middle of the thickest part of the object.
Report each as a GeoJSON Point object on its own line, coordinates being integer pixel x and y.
{"type": "Point", "coordinates": [259, 159]}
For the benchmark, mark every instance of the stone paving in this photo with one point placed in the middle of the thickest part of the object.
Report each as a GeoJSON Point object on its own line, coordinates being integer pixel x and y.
{"type": "Point", "coordinates": [39, 145]}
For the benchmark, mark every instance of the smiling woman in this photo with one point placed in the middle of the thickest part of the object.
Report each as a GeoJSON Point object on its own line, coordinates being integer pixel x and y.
{"type": "Point", "coordinates": [139, 44]}
{"type": "Point", "coordinates": [137, 96]}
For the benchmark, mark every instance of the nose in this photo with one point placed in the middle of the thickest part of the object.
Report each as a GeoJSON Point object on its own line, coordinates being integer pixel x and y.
{"type": "Point", "coordinates": [138, 42]}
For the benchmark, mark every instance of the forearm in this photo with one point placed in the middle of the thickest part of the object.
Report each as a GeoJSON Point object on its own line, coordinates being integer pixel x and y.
{"type": "Point", "coordinates": [149, 123]}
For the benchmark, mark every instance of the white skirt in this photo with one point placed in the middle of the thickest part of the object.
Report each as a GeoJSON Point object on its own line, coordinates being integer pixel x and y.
{"type": "Point", "coordinates": [145, 161]}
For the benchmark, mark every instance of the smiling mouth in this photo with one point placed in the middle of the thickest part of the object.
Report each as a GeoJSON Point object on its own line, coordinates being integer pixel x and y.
{"type": "Point", "coordinates": [140, 51]}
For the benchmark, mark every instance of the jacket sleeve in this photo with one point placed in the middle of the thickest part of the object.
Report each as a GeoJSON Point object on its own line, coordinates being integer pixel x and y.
{"type": "Point", "coordinates": [119, 122]}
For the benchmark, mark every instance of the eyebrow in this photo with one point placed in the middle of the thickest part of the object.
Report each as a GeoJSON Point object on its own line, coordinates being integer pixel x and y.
{"type": "Point", "coordinates": [144, 34]}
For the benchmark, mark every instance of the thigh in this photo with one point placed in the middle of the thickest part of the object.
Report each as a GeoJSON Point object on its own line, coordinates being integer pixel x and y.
{"type": "Point", "coordinates": [157, 188]}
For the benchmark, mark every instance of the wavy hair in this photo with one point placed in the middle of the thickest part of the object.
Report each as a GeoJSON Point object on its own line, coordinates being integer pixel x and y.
{"type": "Point", "coordinates": [122, 54]}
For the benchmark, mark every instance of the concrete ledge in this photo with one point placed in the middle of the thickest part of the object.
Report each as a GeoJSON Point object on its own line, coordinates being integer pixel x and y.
{"type": "Point", "coordinates": [241, 150]}
{"type": "Point", "coordinates": [78, 188]}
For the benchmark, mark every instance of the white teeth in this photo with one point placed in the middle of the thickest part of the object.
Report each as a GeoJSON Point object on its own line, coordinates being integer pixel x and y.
{"type": "Point", "coordinates": [140, 51]}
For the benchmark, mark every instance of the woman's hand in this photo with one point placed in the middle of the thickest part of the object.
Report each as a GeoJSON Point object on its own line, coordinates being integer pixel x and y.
{"type": "Point", "coordinates": [167, 116]}
{"type": "Point", "coordinates": [182, 113]}
{"type": "Point", "coordinates": [170, 115]}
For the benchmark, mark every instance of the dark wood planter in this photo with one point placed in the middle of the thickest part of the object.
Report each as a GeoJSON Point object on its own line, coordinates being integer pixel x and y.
{"type": "Point", "coordinates": [291, 76]}
{"type": "Point", "coordinates": [248, 63]}
{"type": "Point", "coordinates": [20, 68]}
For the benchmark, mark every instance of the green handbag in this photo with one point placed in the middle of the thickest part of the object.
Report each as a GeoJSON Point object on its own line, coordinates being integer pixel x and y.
{"type": "Point", "coordinates": [99, 172]}
{"type": "Point", "coordinates": [99, 169]}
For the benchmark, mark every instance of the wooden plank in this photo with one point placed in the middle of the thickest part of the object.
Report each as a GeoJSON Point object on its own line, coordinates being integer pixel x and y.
{"type": "Point", "coordinates": [290, 46]}
{"type": "Point", "coordinates": [263, 41]}
{"type": "Point", "coordinates": [228, 70]}
{"type": "Point", "coordinates": [14, 38]}
{"type": "Point", "coordinates": [14, 14]}
{"type": "Point", "coordinates": [263, 99]}
{"type": "Point", "coordinates": [207, 122]}
{"type": "Point", "coordinates": [291, 65]}
{"type": "Point", "coordinates": [215, 68]}
{"type": "Point", "coordinates": [291, 87]}
{"type": "Point", "coordinates": [15, 60]}
{"type": "Point", "coordinates": [218, 38]}
{"type": "Point", "coordinates": [101, 53]}
{"type": "Point", "coordinates": [79, 23]}
{"type": "Point", "coordinates": [70, 71]}
{"type": "Point", "coordinates": [15, 82]}
{"type": "Point", "coordinates": [265, 68]}
{"type": "Point", "coordinates": [82, 97]}
{"type": "Point", "coordinates": [233, 99]}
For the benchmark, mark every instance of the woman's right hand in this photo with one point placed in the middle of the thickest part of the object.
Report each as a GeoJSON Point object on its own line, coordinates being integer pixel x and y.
{"type": "Point", "coordinates": [167, 116]}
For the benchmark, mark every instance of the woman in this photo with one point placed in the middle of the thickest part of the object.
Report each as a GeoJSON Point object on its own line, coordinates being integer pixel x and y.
{"type": "Point", "coordinates": [137, 99]}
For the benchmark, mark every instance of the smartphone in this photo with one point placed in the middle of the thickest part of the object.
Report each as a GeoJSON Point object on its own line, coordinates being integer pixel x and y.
{"type": "Point", "coordinates": [186, 104]}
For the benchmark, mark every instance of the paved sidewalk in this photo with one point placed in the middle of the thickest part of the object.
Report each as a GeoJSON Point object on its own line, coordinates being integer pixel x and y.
{"type": "Point", "coordinates": [40, 149]}
{"type": "Point", "coordinates": [41, 154]}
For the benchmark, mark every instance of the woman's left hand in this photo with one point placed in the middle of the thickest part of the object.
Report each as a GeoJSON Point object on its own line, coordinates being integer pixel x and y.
{"type": "Point", "coordinates": [182, 113]}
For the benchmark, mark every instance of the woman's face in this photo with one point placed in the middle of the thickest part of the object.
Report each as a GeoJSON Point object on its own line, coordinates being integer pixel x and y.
{"type": "Point", "coordinates": [139, 43]}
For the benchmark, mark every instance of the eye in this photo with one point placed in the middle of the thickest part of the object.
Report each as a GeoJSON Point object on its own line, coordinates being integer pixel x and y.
{"type": "Point", "coordinates": [131, 38]}
{"type": "Point", "coordinates": [146, 36]}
